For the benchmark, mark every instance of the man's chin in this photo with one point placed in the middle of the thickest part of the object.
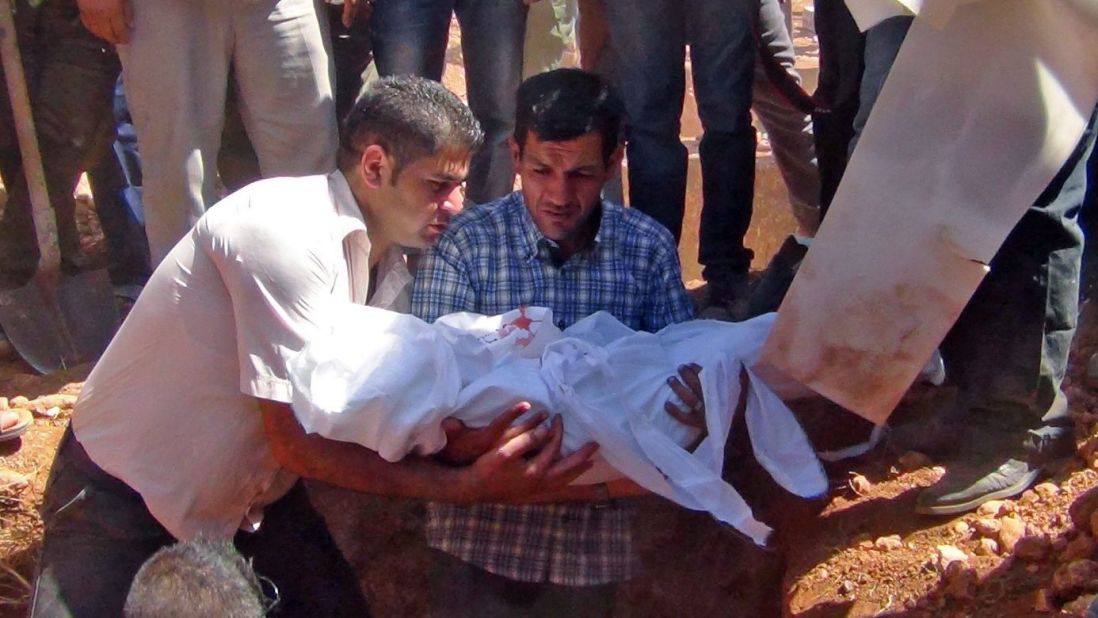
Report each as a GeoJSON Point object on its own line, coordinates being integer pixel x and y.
{"type": "Point", "coordinates": [428, 238]}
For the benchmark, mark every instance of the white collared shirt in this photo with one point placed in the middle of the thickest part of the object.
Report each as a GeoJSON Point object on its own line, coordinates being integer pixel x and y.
{"type": "Point", "coordinates": [171, 408]}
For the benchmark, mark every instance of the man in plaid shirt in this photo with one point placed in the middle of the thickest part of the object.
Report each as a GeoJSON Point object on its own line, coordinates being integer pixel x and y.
{"type": "Point", "coordinates": [554, 244]}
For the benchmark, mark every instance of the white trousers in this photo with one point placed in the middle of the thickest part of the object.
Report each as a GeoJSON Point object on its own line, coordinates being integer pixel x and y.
{"type": "Point", "coordinates": [176, 70]}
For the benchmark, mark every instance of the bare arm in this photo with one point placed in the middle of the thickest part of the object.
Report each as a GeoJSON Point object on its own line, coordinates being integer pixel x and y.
{"type": "Point", "coordinates": [502, 473]}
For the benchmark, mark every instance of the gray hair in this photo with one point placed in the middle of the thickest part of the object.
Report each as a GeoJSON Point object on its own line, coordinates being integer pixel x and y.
{"type": "Point", "coordinates": [193, 579]}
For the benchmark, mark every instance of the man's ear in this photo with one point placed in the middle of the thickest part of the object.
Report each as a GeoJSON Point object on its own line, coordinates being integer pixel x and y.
{"type": "Point", "coordinates": [374, 166]}
{"type": "Point", "coordinates": [516, 154]}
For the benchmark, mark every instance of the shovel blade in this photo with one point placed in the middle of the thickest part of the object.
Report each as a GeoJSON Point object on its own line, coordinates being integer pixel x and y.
{"type": "Point", "coordinates": [55, 324]}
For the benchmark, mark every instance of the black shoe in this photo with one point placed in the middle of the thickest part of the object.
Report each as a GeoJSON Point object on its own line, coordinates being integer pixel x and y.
{"type": "Point", "coordinates": [939, 427]}
{"type": "Point", "coordinates": [768, 293]}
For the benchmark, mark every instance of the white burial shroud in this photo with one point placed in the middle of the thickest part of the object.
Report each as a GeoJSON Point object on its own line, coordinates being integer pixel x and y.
{"type": "Point", "coordinates": [387, 380]}
{"type": "Point", "coordinates": [985, 102]}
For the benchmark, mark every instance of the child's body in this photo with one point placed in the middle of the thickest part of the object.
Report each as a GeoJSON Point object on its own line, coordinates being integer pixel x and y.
{"type": "Point", "coordinates": [387, 380]}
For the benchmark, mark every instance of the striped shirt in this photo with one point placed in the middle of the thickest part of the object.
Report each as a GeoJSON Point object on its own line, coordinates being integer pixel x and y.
{"type": "Point", "coordinates": [492, 259]}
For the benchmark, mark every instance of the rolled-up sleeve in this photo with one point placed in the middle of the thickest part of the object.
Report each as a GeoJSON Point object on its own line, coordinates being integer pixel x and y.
{"type": "Point", "coordinates": [281, 288]}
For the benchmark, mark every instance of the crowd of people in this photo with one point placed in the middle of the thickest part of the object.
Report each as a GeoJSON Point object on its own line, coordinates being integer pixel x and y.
{"type": "Point", "coordinates": [400, 196]}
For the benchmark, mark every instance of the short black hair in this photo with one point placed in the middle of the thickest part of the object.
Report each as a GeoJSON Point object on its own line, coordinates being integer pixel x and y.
{"type": "Point", "coordinates": [564, 104]}
{"type": "Point", "coordinates": [196, 578]}
{"type": "Point", "coordinates": [410, 117]}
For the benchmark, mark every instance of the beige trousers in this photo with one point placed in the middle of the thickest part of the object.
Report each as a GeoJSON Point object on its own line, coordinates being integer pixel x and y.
{"type": "Point", "coordinates": [176, 70]}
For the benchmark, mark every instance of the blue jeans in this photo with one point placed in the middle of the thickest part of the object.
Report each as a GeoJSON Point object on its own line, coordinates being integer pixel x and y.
{"type": "Point", "coordinates": [410, 36]}
{"type": "Point", "coordinates": [1008, 352]}
{"type": "Point", "coordinates": [649, 38]}
{"type": "Point", "coordinates": [882, 44]}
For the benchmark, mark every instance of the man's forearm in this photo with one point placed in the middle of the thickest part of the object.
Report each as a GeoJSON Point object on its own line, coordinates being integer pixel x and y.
{"type": "Point", "coordinates": [357, 468]}
{"type": "Point", "coordinates": [515, 464]}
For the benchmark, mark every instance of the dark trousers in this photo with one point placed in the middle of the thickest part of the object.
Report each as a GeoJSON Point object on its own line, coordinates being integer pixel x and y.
{"type": "Point", "coordinates": [99, 533]}
{"type": "Point", "coordinates": [459, 589]}
{"type": "Point", "coordinates": [650, 38]}
{"type": "Point", "coordinates": [70, 78]}
{"type": "Point", "coordinates": [1008, 352]}
{"type": "Point", "coordinates": [841, 65]}
{"type": "Point", "coordinates": [115, 178]}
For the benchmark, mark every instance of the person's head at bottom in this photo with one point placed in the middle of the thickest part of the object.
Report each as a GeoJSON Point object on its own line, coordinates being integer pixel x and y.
{"type": "Point", "coordinates": [198, 579]}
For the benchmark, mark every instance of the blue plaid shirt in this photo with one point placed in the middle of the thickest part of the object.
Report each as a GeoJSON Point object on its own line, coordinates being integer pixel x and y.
{"type": "Point", "coordinates": [493, 259]}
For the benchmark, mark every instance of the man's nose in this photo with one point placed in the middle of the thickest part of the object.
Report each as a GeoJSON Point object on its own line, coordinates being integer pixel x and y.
{"type": "Point", "coordinates": [454, 202]}
{"type": "Point", "coordinates": [558, 190]}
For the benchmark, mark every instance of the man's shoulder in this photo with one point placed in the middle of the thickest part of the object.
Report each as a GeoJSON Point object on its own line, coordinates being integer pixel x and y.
{"type": "Point", "coordinates": [283, 186]}
{"type": "Point", "coordinates": [290, 216]}
{"type": "Point", "coordinates": [634, 227]}
{"type": "Point", "coordinates": [273, 199]}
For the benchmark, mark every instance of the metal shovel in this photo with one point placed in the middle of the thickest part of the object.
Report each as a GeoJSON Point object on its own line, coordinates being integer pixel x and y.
{"type": "Point", "coordinates": [54, 321]}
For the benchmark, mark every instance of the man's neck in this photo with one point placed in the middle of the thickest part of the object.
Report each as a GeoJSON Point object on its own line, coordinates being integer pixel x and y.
{"type": "Point", "coordinates": [583, 241]}
{"type": "Point", "coordinates": [379, 242]}
{"type": "Point", "coordinates": [379, 246]}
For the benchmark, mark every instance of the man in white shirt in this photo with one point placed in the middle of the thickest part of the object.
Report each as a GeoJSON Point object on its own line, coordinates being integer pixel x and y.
{"type": "Point", "coordinates": [184, 428]}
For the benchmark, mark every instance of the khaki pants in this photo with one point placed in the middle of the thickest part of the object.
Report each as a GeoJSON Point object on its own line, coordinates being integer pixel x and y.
{"type": "Point", "coordinates": [176, 71]}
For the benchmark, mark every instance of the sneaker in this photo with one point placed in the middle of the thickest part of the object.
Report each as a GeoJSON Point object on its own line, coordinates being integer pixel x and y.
{"type": "Point", "coordinates": [964, 488]}
{"type": "Point", "coordinates": [968, 484]}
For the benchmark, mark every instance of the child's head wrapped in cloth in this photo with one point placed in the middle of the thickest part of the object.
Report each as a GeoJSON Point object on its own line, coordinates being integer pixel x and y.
{"type": "Point", "coordinates": [387, 380]}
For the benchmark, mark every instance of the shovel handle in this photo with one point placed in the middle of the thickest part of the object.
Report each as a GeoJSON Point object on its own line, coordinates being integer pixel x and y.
{"type": "Point", "coordinates": [44, 222]}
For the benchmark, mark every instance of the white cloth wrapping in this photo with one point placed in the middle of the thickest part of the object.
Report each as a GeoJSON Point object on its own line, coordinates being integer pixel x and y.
{"type": "Point", "coordinates": [386, 380]}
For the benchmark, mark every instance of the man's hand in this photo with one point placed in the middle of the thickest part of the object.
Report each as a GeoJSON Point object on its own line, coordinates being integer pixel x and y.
{"type": "Point", "coordinates": [353, 8]}
{"type": "Point", "coordinates": [465, 445]}
{"type": "Point", "coordinates": [514, 468]}
{"type": "Point", "coordinates": [509, 470]}
{"type": "Point", "coordinates": [110, 20]}
{"type": "Point", "coordinates": [689, 391]}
